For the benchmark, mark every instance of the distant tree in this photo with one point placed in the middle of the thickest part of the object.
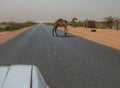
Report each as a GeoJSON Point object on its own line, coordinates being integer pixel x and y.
{"type": "Point", "coordinates": [100, 25]}
{"type": "Point", "coordinates": [77, 24]}
{"type": "Point", "coordinates": [15, 26]}
{"type": "Point", "coordinates": [0, 28]}
{"type": "Point", "coordinates": [108, 21]}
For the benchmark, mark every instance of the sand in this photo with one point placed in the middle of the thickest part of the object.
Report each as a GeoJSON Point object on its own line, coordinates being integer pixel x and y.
{"type": "Point", "coordinates": [108, 37]}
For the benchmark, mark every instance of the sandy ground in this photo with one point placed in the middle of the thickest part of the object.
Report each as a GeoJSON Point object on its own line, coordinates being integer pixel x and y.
{"type": "Point", "coordinates": [5, 36]}
{"type": "Point", "coordinates": [109, 37]}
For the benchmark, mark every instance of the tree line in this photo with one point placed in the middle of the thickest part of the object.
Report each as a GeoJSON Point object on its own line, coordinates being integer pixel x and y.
{"type": "Point", "coordinates": [108, 23]}
{"type": "Point", "coordinates": [10, 26]}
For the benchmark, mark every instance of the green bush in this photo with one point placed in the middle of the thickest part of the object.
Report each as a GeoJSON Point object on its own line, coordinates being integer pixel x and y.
{"type": "Point", "coordinates": [29, 23]}
{"type": "Point", "coordinates": [108, 21]}
{"type": "Point", "coordinates": [0, 29]}
{"type": "Point", "coordinates": [77, 24]}
{"type": "Point", "coordinates": [15, 26]}
{"type": "Point", "coordinates": [100, 25]}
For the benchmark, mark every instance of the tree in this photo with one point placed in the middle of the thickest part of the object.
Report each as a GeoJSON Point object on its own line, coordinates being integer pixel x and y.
{"type": "Point", "coordinates": [108, 21]}
{"type": "Point", "coordinates": [77, 24]}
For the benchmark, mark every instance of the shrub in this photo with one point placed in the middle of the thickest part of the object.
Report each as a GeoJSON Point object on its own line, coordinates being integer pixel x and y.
{"type": "Point", "coordinates": [15, 26]}
{"type": "Point", "coordinates": [100, 25]}
{"type": "Point", "coordinates": [28, 23]}
{"type": "Point", "coordinates": [108, 21]}
{"type": "Point", "coordinates": [77, 24]}
{"type": "Point", "coordinates": [0, 29]}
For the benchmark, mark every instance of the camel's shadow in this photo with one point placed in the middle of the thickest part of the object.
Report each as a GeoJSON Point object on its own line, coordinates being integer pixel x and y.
{"type": "Point", "coordinates": [68, 36]}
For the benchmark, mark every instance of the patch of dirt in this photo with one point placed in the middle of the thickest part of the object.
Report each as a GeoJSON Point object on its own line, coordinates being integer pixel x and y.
{"type": "Point", "coordinates": [109, 37]}
{"type": "Point", "coordinates": [5, 36]}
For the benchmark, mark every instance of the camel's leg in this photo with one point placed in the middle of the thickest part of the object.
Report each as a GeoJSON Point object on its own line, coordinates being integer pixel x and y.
{"type": "Point", "coordinates": [53, 31]}
{"type": "Point", "coordinates": [56, 32]}
{"type": "Point", "coordinates": [65, 31]}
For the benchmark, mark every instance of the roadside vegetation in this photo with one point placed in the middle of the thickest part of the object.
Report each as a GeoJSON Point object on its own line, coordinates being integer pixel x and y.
{"type": "Point", "coordinates": [77, 24]}
{"type": "Point", "coordinates": [10, 26]}
{"type": "Point", "coordinates": [107, 23]}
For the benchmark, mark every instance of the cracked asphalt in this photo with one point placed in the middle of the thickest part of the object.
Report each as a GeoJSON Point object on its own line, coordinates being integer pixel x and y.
{"type": "Point", "coordinates": [65, 62]}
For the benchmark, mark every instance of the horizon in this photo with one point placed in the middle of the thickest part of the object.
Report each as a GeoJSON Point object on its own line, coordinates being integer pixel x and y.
{"type": "Point", "coordinates": [43, 11]}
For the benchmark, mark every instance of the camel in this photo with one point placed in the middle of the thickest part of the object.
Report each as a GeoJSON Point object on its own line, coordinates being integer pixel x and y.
{"type": "Point", "coordinates": [63, 23]}
{"type": "Point", "coordinates": [60, 22]}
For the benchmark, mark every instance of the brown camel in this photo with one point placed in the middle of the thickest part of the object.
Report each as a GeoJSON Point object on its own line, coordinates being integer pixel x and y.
{"type": "Point", "coordinates": [62, 23]}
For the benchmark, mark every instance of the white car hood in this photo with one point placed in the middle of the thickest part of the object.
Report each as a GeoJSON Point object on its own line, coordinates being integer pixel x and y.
{"type": "Point", "coordinates": [21, 76]}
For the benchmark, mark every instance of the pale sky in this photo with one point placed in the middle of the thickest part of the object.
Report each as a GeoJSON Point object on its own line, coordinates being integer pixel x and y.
{"type": "Point", "coordinates": [51, 10]}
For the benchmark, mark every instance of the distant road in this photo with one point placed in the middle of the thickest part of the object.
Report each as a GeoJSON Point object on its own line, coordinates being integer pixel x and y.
{"type": "Point", "coordinates": [65, 62]}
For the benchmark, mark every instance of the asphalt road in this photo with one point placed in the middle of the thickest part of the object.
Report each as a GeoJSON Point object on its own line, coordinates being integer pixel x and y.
{"type": "Point", "coordinates": [65, 62]}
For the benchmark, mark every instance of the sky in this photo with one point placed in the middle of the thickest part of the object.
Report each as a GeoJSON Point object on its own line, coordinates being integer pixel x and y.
{"type": "Point", "coordinates": [51, 10]}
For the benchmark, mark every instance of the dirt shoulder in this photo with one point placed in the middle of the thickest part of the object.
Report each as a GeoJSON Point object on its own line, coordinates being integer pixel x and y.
{"type": "Point", "coordinates": [5, 36]}
{"type": "Point", "coordinates": [107, 37]}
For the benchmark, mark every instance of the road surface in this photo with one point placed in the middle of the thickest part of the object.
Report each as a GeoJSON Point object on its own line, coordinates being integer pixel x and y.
{"type": "Point", "coordinates": [65, 62]}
